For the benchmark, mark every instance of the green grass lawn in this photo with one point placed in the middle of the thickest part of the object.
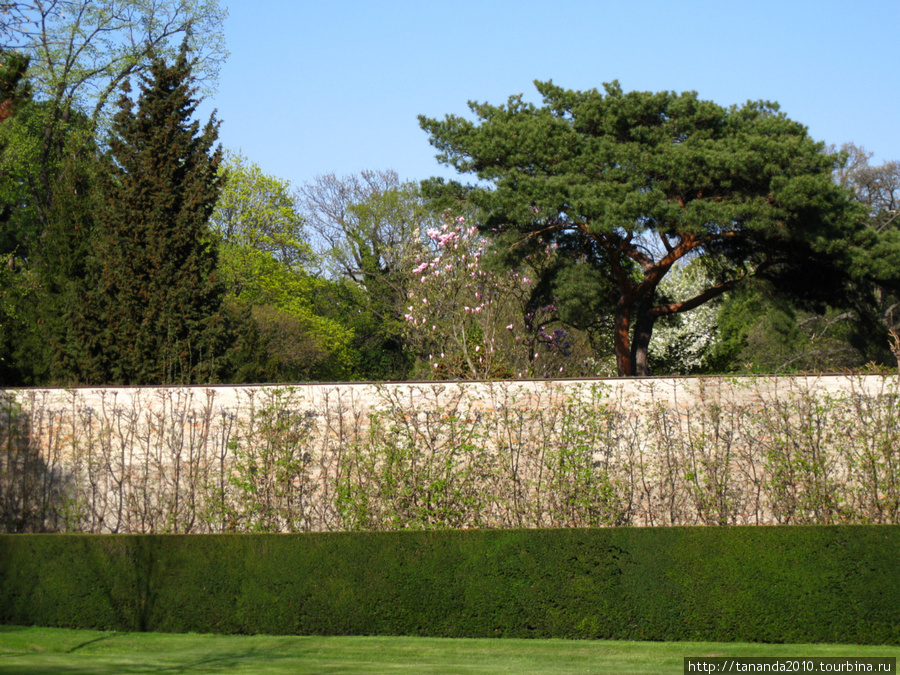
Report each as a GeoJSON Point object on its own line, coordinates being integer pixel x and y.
{"type": "Point", "coordinates": [28, 651]}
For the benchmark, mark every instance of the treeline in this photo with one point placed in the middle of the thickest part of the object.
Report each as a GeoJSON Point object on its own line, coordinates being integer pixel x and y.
{"type": "Point", "coordinates": [621, 233]}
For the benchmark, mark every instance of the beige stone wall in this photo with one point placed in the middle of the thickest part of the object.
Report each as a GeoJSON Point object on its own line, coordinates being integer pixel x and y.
{"type": "Point", "coordinates": [655, 451]}
{"type": "Point", "coordinates": [625, 392]}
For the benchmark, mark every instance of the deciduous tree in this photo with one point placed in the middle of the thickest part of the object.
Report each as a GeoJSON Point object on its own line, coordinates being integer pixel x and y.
{"type": "Point", "coordinates": [367, 229]}
{"type": "Point", "coordinates": [257, 210]}
{"type": "Point", "coordinates": [81, 51]}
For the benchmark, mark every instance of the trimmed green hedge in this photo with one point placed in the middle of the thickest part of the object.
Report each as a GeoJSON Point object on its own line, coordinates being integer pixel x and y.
{"type": "Point", "coordinates": [763, 584]}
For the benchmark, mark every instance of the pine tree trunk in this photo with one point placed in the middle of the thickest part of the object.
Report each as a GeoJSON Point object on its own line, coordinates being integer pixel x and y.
{"type": "Point", "coordinates": [640, 341]}
{"type": "Point", "coordinates": [632, 349]}
{"type": "Point", "coordinates": [620, 339]}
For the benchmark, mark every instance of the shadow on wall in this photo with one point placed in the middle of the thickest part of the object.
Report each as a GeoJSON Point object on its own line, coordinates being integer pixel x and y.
{"type": "Point", "coordinates": [32, 492]}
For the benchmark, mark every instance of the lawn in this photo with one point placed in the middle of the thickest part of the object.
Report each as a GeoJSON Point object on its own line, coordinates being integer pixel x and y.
{"type": "Point", "coordinates": [28, 651]}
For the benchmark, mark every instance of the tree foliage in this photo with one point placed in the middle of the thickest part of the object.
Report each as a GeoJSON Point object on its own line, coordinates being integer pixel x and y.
{"type": "Point", "coordinates": [82, 51]}
{"type": "Point", "coordinates": [684, 343]}
{"type": "Point", "coordinates": [78, 52]}
{"type": "Point", "coordinates": [367, 230]}
{"type": "Point", "coordinates": [634, 182]}
{"type": "Point", "coordinates": [877, 189]}
{"type": "Point", "coordinates": [266, 262]}
{"type": "Point", "coordinates": [154, 313]}
{"type": "Point", "coordinates": [257, 210]}
{"type": "Point", "coordinates": [470, 317]}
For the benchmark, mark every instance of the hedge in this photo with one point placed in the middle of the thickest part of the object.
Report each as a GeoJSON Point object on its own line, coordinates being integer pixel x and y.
{"type": "Point", "coordinates": [838, 584]}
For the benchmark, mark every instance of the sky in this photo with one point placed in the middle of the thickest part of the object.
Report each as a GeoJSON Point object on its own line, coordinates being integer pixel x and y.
{"type": "Point", "coordinates": [312, 88]}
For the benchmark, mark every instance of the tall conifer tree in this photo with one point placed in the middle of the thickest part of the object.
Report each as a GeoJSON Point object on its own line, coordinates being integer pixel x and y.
{"type": "Point", "coordinates": [158, 299]}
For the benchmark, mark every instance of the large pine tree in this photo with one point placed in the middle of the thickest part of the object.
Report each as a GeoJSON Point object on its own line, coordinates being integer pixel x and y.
{"type": "Point", "coordinates": [157, 303]}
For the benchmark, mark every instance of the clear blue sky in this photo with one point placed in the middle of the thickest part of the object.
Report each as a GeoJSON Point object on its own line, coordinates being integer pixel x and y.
{"type": "Point", "coordinates": [336, 85]}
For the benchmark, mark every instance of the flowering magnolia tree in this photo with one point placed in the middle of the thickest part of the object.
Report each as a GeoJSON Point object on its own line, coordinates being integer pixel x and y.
{"type": "Point", "coordinates": [472, 321]}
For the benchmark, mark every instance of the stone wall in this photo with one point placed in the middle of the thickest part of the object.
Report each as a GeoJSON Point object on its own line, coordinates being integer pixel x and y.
{"type": "Point", "coordinates": [657, 451]}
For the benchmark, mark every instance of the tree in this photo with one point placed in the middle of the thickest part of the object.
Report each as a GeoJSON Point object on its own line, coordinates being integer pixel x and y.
{"type": "Point", "coordinates": [367, 230]}
{"type": "Point", "coordinates": [14, 93]}
{"type": "Point", "coordinates": [257, 210]}
{"type": "Point", "coordinates": [297, 339]}
{"type": "Point", "coordinates": [361, 220]}
{"type": "Point", "coordinates": [265, 263]}
{"type": "Point", "coordinates": [155, 314]}
{"type": "Point", "coordinates": [763, 331]}
{"type": "Point", "coordinates": [14, 88]}
{"type": "Point", "coordinates": [684, 343]}
{"type": "Point", "coordinates": [15, 284]}
{"type": "Point", "coordinates": [877, 188]}
{"type": "Point", "coordinates": [634, 182]}
{"type": "Point", "coordinates": [80, 53]}
{"type": "Point", "coordinates": [471, 318]}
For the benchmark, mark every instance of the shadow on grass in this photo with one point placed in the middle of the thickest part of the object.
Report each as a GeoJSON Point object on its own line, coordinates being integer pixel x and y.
{"type": "Point", "coordinates": [102, 638]}
{"type": "Point", "coordinates": [222, 663]}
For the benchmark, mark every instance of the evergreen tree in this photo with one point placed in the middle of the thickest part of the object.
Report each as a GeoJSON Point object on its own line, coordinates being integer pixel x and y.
{"type": "Point", "coordinates": [157, 302]}
{"type": "Point", "coordinates": [631, 183]}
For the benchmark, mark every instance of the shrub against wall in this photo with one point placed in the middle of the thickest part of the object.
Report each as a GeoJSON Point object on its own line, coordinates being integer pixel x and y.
{"type": "Point", "coordinates": [461, 455]}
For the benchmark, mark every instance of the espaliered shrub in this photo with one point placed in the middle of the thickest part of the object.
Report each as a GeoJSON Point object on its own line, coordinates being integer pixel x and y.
{"type": "Point", "coordinates": [715, 451]}
{"type": "Point", "coordinates": [800, 584]}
